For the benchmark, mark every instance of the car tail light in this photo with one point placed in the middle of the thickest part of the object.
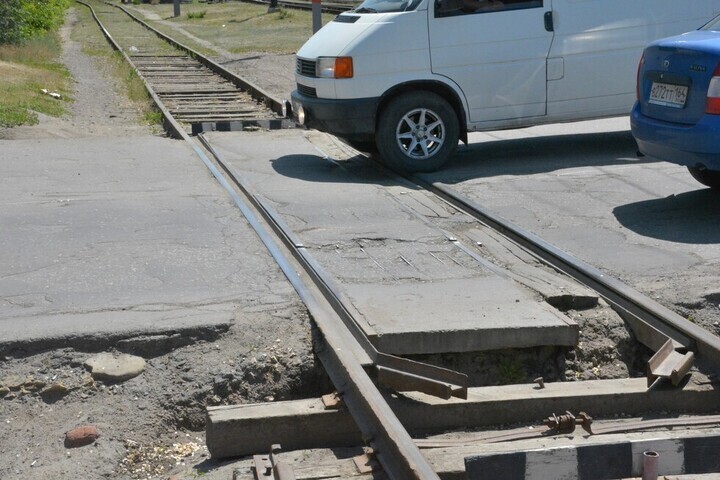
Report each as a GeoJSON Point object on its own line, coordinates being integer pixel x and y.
{"type": "Point", "coordinates": [713, 95]}
{"type": "Point", "coordinates": [637, 81]}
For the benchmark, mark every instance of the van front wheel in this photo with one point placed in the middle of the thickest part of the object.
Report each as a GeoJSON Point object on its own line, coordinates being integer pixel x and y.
{"type": "Point", "coordinates": [417, 132]}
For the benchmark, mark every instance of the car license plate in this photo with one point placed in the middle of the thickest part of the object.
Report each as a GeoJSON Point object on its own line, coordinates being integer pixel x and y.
{"type": "Point", "coordinates": [668, 95]}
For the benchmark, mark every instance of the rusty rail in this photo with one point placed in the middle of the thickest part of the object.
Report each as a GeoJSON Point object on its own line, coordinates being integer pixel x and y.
{"type": "Point", "coordinates": [382, 431]}
{"type": "Point", "coordinates": [652, 323]}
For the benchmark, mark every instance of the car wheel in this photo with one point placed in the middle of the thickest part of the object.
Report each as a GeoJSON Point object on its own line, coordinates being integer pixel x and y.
{"type": "Point", "coordinates": [417, 132]}
{"type": "Point", "coordinates": [711, 178]}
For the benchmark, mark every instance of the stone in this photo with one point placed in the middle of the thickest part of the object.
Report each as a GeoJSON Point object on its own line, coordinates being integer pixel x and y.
{"type": "Point", "coordinates": [54, 392]}
{"type": "Point", "coordinates": [81, 436]}
{"type": "Point", "coordinates": [13, 382]}
{"type": "Point", "coordinates": [115, 368]}
{"type": "Point", "coordinates": [33, 385]}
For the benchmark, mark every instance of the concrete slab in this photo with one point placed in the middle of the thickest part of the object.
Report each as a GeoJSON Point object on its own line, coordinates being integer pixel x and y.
{"type": "Point", "coordinates": [533, 458]}
{"type": "Point", "coordinates": [461, 315]}
{"type": "Point", "coordinates": [303, 424]}
{"type": "Point", "coordinates": [676, 454]}
{"type": "Point", "coordinates": [104, 238]}
{"type": "Point", "coordinates": [386, 245]}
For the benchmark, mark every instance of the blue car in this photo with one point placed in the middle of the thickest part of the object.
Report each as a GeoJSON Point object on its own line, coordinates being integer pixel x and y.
{"type": "Point", "coordinates": [677, 115]}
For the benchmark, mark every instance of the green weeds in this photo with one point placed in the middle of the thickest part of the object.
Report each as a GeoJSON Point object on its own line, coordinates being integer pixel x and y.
{"type": "Point", "coordinates": [196, 15]}
{"type": "Point", "coordinates": [510, 371]}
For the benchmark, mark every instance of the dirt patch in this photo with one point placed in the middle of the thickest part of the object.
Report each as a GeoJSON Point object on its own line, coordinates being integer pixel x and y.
{"type": "Point", "coordinates": [150, 425]}
{"type": "Point", "coordinates": [13, 72]}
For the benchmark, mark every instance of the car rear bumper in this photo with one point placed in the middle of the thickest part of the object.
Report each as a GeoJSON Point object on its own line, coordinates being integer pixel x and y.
{"type": "Point", "coordinates": [352, 119]}
{"type": "Point", "coordinates": [695, 145]}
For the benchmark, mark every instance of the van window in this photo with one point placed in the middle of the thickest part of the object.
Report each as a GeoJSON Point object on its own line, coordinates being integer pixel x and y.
{"type": "Point", "coordinates": [444, 8]}
{"type": "Point", "coordinates": [713, 25]}
{"type": "Point", "coordinates": [386, 6]}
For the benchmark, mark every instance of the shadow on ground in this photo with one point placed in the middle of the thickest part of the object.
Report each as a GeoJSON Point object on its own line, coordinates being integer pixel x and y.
{"type": "Point", "coordinates": [524, 156]}
{"type": "Point", "coordinates": [690, 217]}
{"type": "Point", "coordinates": [316, 169]}
{"type": "Point", "coordinates": [527, 156]}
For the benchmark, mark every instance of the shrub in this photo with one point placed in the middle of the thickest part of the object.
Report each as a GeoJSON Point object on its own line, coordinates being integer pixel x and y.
{"type": "Point", "coordinates": [24, 19]}
{"type": "Point", "coordinates": [192, 15]}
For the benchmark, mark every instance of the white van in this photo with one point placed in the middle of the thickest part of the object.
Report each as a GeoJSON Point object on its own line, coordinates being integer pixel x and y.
{"type": "Point", "coordinates": [411, 77]}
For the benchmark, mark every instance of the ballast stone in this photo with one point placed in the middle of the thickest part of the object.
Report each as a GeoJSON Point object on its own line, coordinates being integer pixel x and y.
{"type": "Point", "coordinates": [115, 368]}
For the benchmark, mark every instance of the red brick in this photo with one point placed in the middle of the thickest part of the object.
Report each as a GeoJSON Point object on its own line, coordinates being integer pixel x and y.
{"type": "Point", "coordinates": [81, 436]}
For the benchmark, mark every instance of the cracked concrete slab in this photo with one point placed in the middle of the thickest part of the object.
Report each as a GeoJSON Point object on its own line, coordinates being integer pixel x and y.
{"type": "Point", "coordinates": [109, 238]}
{"type": "Point", "coordinates": [391, 250]}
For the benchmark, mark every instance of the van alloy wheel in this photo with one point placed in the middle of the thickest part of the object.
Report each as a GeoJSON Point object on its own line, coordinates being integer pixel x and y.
{"type": "Point", "coordinates": [420, 133]}
{"type": "Point", "coordinates": [417, 132]}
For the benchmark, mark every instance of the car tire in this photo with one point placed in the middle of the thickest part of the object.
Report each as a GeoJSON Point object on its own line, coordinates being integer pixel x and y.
{"type": "Point", "coordinates": [417, 132]}
{"type": "Point", "coordinates": [710, 178]}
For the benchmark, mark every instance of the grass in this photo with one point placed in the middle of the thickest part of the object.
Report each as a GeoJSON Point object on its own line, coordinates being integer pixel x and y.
{"type": "Point", "coordinates": [241, 27]}
{"type": "Point", "coordinates": [24, 71]}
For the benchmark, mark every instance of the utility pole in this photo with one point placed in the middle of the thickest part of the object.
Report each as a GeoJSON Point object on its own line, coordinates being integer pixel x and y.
{"type": "Point", "coordinates": [316, 15]}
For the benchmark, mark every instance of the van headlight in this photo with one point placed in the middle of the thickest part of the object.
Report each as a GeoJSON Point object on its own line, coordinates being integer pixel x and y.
{"type": "Point", "coordinates": [334, 67]}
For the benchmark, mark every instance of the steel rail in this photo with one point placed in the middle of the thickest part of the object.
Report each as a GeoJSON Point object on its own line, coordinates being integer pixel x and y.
{"type": "Point", "coordinates": [398, 373]}
{"type": "Point", "coordinates": [651, 322]}
{"type": "Point", "coordinates": [545, 432]}
{"type": "Point", "coordinates": [395, 450]}
{"type": "Point", "coordinates": [276, 105]}
{"type": "Point", "coordinates": [397, 453]}
{"type": "Point", "coordinates": [169, 123]}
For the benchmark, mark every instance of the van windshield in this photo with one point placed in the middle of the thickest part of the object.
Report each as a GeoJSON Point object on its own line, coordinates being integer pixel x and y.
{"type": "Point", "coordinates": [386, 6]}
{"type": "Point", "coordinates": [712, 25]}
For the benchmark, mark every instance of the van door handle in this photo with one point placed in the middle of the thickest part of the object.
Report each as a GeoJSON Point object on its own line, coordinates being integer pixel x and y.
{"type": "Point", "coordinates": [549, 21]}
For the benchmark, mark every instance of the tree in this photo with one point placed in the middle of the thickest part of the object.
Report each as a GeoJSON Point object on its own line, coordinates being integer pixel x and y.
{"type": "Point", "coordinates": [11, 21]}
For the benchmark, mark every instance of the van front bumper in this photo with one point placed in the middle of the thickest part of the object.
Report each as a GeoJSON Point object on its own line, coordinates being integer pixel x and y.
{"type": "Point", "coordinates": [352, 119]}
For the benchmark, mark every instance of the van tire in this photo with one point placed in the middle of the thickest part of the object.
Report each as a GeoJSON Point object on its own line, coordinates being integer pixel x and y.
{"type": "Point", "coordinates": [403, 138]}
{"type": "Point", "coordinates": [710, 178]}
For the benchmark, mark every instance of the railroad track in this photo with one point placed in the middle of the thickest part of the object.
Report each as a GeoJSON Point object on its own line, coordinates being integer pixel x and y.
{"type": "Point", "coordinates": [192, 92]}
{"type": "Point", "coordinates": [654, 325]}
{"type": "Point", "coordinates": [326, 7]}
{"type": "Point", "coordinates": [177, 82]}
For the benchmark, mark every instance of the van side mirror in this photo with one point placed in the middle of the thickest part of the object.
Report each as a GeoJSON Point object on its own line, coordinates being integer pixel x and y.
{"type": "Point", "coordinates": [445, 7]}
